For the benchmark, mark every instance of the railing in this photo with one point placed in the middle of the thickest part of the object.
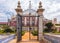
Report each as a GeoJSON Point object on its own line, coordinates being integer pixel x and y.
{"type": "Point", "coordinates": [52, 39]}
{"type": "Point", "coordinates": [7, 39]}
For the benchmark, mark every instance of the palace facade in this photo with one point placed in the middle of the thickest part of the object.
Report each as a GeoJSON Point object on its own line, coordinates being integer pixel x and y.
{"type": "Point", "coordinates": [32, 21]}
{"type": "Point", "coordinates": [30, 16]}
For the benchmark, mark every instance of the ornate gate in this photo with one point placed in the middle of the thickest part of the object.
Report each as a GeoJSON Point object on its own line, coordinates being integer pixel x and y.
{"type": "Point", "coordinates": [31, 25]}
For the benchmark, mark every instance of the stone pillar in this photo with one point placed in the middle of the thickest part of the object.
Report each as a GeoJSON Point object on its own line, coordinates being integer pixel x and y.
{"type": "Point", "coordinates": [31, 21]}
{"type": "Point", "coordinates": [25, 21]}
{"type": "Point", "coordinates": [19, 21]}
{"type": "Point", "coordinates": [19, 28]}
{"type": "Point", "coordinates": [40, 13]}
{"type": "Point", "coordinates": [35, 20]}
{"type": "Point", "coordinates": [40, 31]}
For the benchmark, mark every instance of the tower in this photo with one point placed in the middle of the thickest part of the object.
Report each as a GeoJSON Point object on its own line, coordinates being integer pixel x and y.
{"type": "Point", "coordinates": [40, 10]}
{"type": "Point", "coordinates": [18, 9]}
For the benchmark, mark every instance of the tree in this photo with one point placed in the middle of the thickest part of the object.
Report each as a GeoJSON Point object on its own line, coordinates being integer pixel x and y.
{"type": "Point", "coordinates": [49, 26]}
{"type": "Point", "coordinates": [8, 30]}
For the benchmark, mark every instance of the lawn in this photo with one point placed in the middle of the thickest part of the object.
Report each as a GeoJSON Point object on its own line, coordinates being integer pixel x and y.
{"type": "Point", "coordinates": [57, 33]}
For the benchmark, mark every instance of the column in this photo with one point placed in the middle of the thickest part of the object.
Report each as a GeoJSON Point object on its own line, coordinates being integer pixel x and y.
{"type": "Point", "coordinates": [40, 31]}
{"type": "Point", "coordinates": [19, 28]}
{"type": "Point", "coordinates": [25, 21]}
{"type": "Point", "coordinates": [35, 20]}
{"type": "Point", "coordinates": [31, 21]}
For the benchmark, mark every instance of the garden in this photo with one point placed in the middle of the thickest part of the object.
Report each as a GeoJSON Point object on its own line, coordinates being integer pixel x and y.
{"type": "Point", "coordinates": [49, 29]}
{"type": "Point", "coordinates": [6, 29]}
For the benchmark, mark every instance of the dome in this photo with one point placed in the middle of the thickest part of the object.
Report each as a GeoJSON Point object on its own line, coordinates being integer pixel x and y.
{"type": "Point", "coordinates": [33, 12]}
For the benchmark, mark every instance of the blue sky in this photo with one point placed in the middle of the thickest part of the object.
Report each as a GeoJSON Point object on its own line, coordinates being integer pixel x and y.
{"type": "Point", "coordinates": [7, 8]}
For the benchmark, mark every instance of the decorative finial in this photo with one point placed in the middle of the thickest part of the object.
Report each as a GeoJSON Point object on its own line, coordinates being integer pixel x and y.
{"type": "Point", "coordinates": [19, 4]}
{"type": "Point", "coordinates": [18, 9]}
{"type": "Point", "coordinates": [29, 4]}
{"type": "Point", "coordinates": [29, 7]}
{"type": "Point", "coordinates": [40, 9]}
{"type": "Point", "coordinates": [40, 4]}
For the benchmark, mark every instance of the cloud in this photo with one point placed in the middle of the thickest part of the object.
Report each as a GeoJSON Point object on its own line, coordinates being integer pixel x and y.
{"type": "Point", "coordinates": [3, 17]}
{"type": "Point", "coordinates": [52, 7]}
{"type": "Point", "coordinates": [7, 9]}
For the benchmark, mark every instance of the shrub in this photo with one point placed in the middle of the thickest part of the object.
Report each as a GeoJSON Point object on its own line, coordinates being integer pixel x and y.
{"type": "Point", "coordinates": [47, 30]}
{"type": "Point", "coordinates": [54, 31]}
{"type": "Point", "coordinates": [49, 25]}
{"type": "Point", "coordinates": [23, 32]}
{"type": "Point", "coordinates": [34, 33]}
{"type": "Point", "coordinates": [1, 31]}
{"type": "Point", "coordinates": [8, 31]}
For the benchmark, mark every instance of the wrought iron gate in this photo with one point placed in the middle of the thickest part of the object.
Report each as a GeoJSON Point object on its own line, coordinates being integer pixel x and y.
{"type": "Point", "coordinates": [20, 24]}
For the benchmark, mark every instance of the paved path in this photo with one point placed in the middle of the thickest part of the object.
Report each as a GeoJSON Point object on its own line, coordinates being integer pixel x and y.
{"type": "Point", "coordinates": [53, 38]}
{"type": "Point", "coordinates": [4, 36]}
{"type": "Point", "coordinates": [25, 39]}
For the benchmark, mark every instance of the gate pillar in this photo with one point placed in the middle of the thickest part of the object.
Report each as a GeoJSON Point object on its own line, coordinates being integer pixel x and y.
{"type": "Point", "coordinates": [19, 21]}
{"type": "Point", "coordinates": [19, 28]}
{"type": "Point", "coordinates": [40, 13]}
{"type": "Point", "coordinates": [40, 30]}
